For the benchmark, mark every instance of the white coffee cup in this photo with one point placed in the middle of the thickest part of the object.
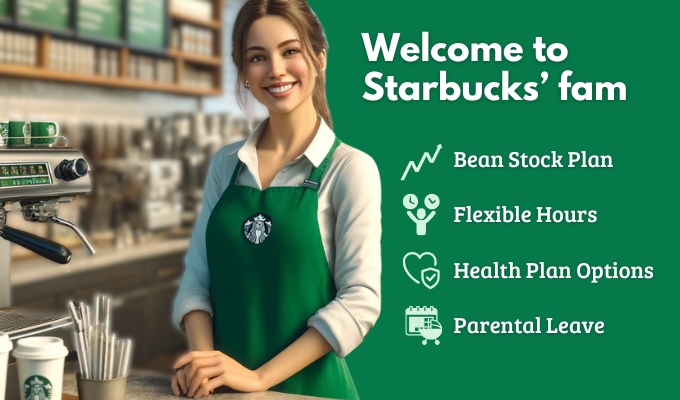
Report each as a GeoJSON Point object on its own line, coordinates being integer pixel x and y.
{"type": "Point", "coordinates": [40, 366]}
{"type": "Point", "coordinates": [5, 348]}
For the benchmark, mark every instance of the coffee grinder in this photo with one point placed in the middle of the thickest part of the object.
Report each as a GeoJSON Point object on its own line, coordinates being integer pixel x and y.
{"type": "Point", "coordinates": [38, 178]}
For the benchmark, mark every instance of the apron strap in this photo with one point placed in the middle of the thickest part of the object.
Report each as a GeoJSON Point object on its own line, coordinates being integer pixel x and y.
{"type": "Point", "coordinates": [317, 173]}
{"type": "Point", "coordinates": [239, 164]}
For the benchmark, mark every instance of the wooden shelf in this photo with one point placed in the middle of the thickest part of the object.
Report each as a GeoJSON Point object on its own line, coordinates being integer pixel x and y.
{"type": "Point", "coordinates": [182, 60]}
{"type": "Point", "coordinates": [23, 71]}
{"type": "Point", "coordinates": [211, 24]}
{"type": "Point", "coordinates": [195, 58]}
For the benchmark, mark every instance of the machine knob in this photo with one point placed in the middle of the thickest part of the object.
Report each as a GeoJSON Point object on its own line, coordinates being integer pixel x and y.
{"type": "Point", "coordinates": [72, 170]}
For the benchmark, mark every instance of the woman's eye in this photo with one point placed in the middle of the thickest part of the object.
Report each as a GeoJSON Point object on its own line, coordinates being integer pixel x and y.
{"type": "Point", "coordinates": [291, 52]}
{"type": "Point", "coordinates": [256, 59]}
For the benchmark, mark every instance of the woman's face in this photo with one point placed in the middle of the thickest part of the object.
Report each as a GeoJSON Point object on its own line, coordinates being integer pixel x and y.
{"type": "Point", "coordinates": [276, 68]}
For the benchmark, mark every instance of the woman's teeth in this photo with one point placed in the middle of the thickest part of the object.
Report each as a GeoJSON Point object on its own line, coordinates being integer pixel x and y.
{"type": "Point", "coordinates": [280, 89]}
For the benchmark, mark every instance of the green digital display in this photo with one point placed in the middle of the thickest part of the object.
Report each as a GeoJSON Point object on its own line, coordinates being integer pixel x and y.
{"type": "Point", "coordinates": [32, 181]}
{"type": "Point", "coordinates": [49, 13]}
{"type": "Point", "coordinates": [13, 175]}
{"type": "Point", "coordinates": [100, 18]}
{"type": "Point", "coordinates": [146, 23]}
{"type": "Point", "coordinates": [4, 8]}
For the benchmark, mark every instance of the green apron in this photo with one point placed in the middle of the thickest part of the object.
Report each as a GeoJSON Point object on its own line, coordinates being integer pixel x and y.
{"type": "Point", "coordinates": [268, 275]}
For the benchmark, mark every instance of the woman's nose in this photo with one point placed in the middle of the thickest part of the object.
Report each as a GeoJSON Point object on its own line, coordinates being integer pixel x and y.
{"type": "Point", "coordinates": [277, 67]}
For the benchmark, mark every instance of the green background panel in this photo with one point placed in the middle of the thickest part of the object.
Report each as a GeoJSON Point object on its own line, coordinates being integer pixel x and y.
{"type": "Point", "coordinates": [101, 18]}
{"type": "Point", "coordinates": [49, 13]}
{"type": "Point", "coordinates": [608, 41]}
{"type": "Point", "coordinates": [4, 7]}
{"type": "Point", "coordinates": [147, 20]}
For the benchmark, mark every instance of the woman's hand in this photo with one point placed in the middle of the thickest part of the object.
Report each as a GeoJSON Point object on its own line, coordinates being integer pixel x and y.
{"type": "Point", "coordinates": [203, 371]}
{"type": "Point", "coordinates": [179, 382]}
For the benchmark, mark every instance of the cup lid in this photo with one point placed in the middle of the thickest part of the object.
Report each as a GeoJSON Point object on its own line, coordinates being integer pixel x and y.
{"type": "Point", "coordinates": [40, 348]}
{"type": "Point", "coordinates": [5, 343]}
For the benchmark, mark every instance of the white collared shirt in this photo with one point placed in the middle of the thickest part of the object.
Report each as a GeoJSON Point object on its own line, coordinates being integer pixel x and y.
{"type": "Point", "coordinates": [349, 220]}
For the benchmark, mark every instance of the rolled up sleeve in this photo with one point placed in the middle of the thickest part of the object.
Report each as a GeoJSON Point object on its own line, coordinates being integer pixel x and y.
{"type": "Point", "coordinates": [356, 198]}
{"type": "Point", "coordinates": [194, 290]}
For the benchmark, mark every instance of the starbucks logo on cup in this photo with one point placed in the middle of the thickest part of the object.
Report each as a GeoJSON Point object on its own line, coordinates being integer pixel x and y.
{"type": "Point", "coordinates": [37, 387]}
{"type": "Point", "coordinates": [27, 138]}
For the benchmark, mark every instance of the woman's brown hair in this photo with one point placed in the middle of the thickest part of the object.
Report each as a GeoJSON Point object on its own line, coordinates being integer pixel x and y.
{"type": "Point", "coordinates": [312, 35]}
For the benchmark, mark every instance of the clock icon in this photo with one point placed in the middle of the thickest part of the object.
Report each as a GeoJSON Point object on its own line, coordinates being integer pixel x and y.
{"type": "Point", "coordinates": [432, 201]}
{"type": "Point", "coordinates": [410, 201]}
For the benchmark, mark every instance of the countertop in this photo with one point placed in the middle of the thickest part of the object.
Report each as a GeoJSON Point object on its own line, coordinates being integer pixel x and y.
{"type": "Point", "coordinates": [140, 387]}
{"type": "Point", "coordinates": [40, 269]}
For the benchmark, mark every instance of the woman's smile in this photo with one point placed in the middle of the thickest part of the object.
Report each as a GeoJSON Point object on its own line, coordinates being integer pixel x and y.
{"type": "Point", "coordinates": [280, 89]}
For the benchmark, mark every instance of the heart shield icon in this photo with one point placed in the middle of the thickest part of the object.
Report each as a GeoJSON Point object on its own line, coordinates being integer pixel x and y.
{"type": "Point", "coordinates": [430, 277]}
{"type": "Point", "coordinates": [419, 256]}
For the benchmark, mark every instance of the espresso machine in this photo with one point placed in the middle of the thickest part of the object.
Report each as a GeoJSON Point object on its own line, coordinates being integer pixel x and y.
{"type": "Point", "coordinates": [147, 191]}
{"type": "Point", "coordinates": [37, 179]}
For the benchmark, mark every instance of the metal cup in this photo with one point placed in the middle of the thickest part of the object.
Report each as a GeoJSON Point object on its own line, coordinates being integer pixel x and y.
{"type": "Point", "coordinates": [90, 389]}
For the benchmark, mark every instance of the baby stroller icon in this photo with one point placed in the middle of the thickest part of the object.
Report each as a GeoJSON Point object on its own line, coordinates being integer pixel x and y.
{"type": "Point", "coordinates": [431, 333]}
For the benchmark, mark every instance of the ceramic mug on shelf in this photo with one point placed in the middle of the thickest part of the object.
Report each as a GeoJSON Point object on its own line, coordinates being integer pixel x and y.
{"type": "Point", "coordinates": [4, 133]}
{"type": "Point", "coordinates": [19, 134]}
{"type": "Point", "coordinates": [47, 129]}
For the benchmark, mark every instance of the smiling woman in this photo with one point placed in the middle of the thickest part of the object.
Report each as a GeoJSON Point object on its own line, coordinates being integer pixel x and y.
{"type": "Point", "coordinates": [303, 56]}
{"type": "Point", "coordinates": [282, 275]}
{"type": "Point", "coordinates": [277, 73]}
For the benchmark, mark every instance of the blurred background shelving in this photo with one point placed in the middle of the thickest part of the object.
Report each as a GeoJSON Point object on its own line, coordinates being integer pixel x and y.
{"type": "Point", "coordinates": [148, 111]}
{"type": "Point", "coordinates": [178, 43]}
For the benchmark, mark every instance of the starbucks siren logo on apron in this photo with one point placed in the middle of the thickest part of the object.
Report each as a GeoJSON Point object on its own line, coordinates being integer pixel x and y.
{"type": "Point", "coordinates": [37, 387]}
{"type": "Point", "coordinates": [257, 227]}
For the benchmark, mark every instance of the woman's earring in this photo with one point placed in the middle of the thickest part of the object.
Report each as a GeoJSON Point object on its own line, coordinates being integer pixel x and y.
{"type": "Point", "coordinates": [247, 85]}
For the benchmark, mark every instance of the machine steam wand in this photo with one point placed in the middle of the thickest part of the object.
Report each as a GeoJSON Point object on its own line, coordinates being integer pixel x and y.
{"type": "Point", "coordinates": [86, 243]}
{"type": "Point", "coordinates": [47, 212]}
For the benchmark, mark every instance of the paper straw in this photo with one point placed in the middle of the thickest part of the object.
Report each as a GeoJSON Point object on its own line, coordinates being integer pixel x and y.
{"type": "Point", "coordinates": [116, 359]}
{"type": "Point", "coordinates": [79, 350]}
{"type": "Point", "coordinates": [86, 353]}
{"type": "Point", "coordinates": [93, 353]}
{"type": "Point", "coordinates": [73, 310]}
{"type": "Point", "coordinates": [98, 354]}
{"type": "Point", "coordinates": [126, 356]}
{"type": "Point", "coordinates": [96, 311]}
{"type": "Point", "coordinates": [120, 350]}
{"type": "Point", "coordinates": [82, 354]}
{"type": "Point", "coordinates": [107, 314]}
{"type": "Point", "coordinates": [84, 310]}
{"type": "Point", "coordinates": [101, 353]}
{"type": "Point", "coordinates": [105, 356]}
{"type": "Point", "coordinates": [112, 356]}
{"type": "Point", "coordinates": [85, 313]}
